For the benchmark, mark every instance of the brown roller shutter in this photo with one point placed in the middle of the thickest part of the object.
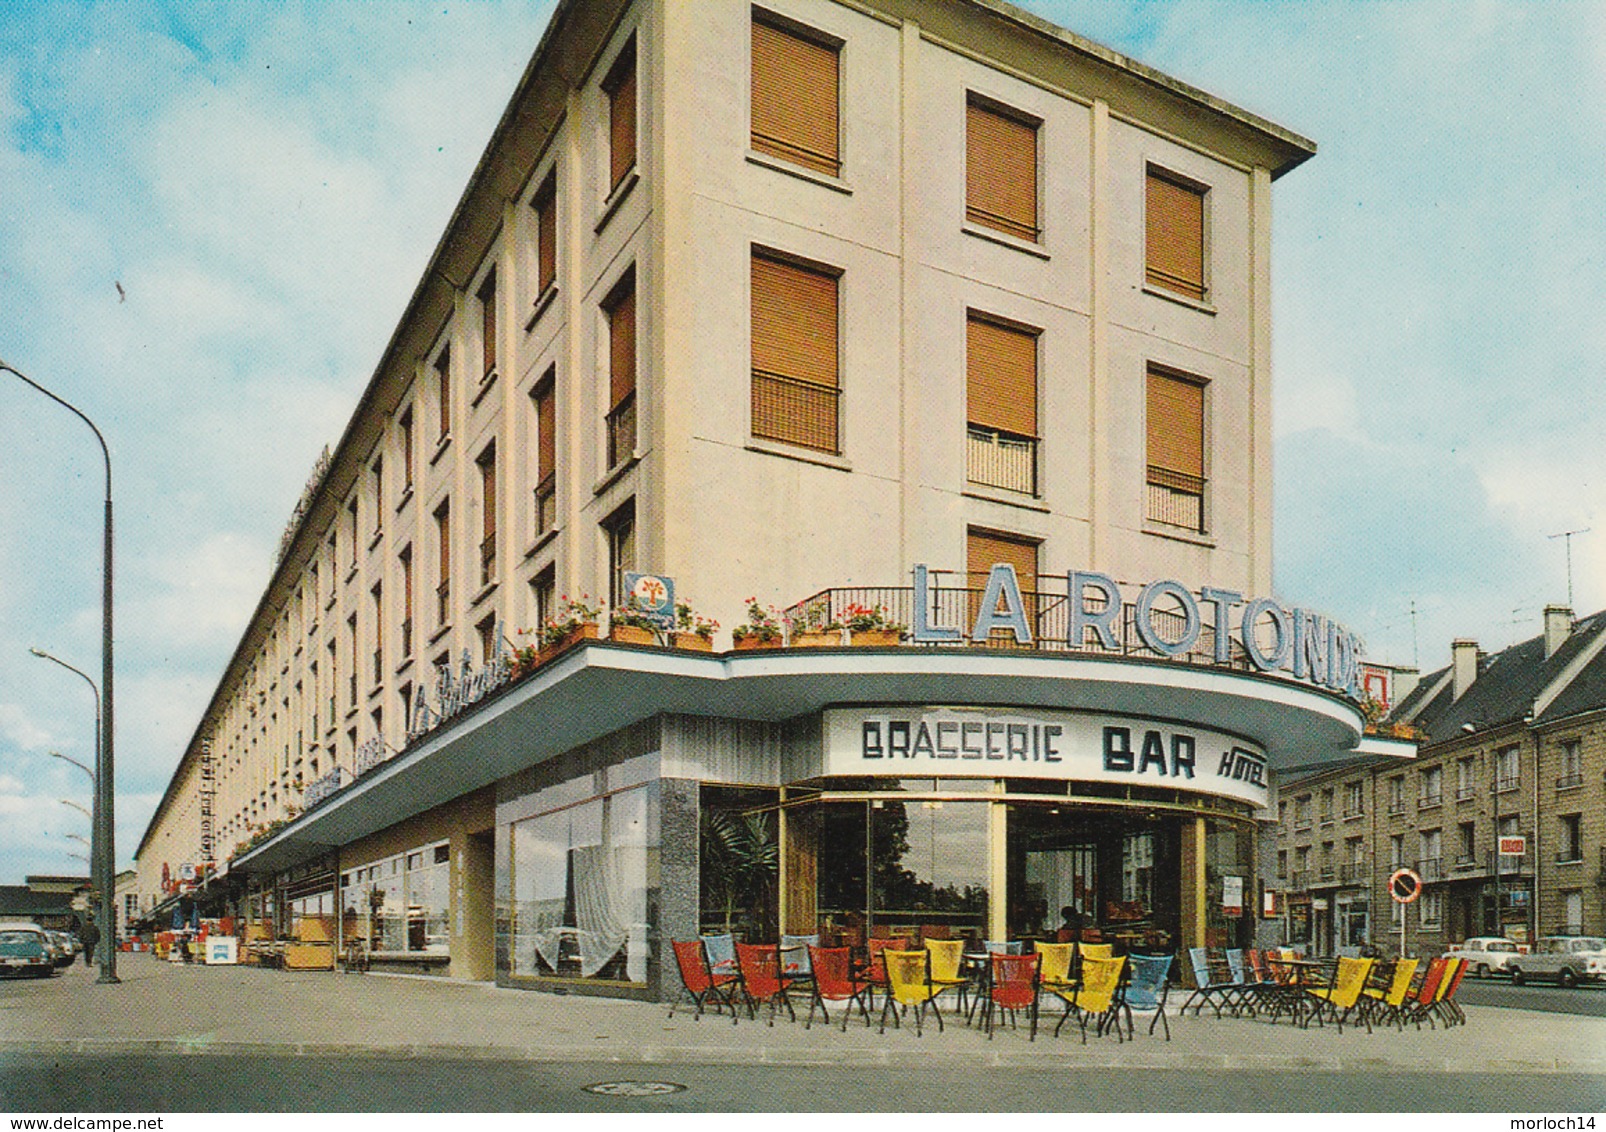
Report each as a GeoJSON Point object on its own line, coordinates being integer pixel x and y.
{"type": "Point", "coordinates": [487, 298]}
{"type": "Point", "coordinates": [1175, 239]}
{"type": "Point", "coordinates": [546, 452]}
{"type": "Point", "coordinates": [794, 354]}
{"type": "Point", "coordinates": [1000, 172]}
{"type": "Point", "coordinates": [1001, 377]}
{"type": "Point", "coordinates": [622, 346]}
{"type": "Point", "coordinates": [795, 99]}
{"type": "Point", "coordinates": [621, 88]}
{"type": "Point", "coordinates": [983, 550]}
{"type": "Point", "coordinates": [546, 236]}
{"type": "Point", "coordinates": [1176, 429]}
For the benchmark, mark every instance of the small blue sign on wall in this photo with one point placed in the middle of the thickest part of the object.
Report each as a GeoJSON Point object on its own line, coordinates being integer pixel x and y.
{"type": "Point", "coordinates": [653, 596]}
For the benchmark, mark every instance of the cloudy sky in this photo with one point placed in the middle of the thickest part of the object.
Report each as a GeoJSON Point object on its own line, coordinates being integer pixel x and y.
{"type": "Point", "coordinates": [211, 216]}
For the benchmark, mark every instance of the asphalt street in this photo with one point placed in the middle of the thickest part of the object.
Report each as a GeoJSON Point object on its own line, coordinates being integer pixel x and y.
{"type": "Point", "coordinates": [180, 1083]}
{"type": "Point", "coordinates": [178, 1038]}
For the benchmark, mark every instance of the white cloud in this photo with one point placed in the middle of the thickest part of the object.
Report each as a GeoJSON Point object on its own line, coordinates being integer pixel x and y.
{"type": "Point", "coordinates": [18, 729]}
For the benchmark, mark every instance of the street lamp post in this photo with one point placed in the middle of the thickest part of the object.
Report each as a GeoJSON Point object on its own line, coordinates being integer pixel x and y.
{"type": "Point", "coordinates": [106, 860]}
{"type": "Point", "coordinates": [80, 809]}
{"type": "Point", "coordinates": [95, 846]}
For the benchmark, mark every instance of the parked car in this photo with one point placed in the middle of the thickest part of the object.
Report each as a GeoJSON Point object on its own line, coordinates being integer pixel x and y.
{"type": "Point", "coordinates": [25, 950]}
{"type": "Point", "coordinates": [1488, 954]}
{"type": "Point", "coordinates": [66, 947]}
{"type": "Point", "coordinates": [1569, 959]}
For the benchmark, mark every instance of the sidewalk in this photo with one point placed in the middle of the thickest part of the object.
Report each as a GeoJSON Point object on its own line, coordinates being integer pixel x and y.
{"type": "Point", "coordinates": [162, 1007]}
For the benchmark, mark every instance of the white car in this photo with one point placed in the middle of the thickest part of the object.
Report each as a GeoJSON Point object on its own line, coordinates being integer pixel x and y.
{"type": "Point", "coordinates": [25, 950]}
{"type": "Point", "coordinates": [1487, 954]}
{"type": "Point", "coordinates": [1569, 959]}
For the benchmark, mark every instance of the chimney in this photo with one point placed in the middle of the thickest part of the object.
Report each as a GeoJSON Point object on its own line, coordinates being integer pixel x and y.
{"type": "Point", "coordinates": [1558, 627]}
{"type": "Point", "coordinates": [1463, 666]}
{"type": "Point", "coordinates": [1405, 682]}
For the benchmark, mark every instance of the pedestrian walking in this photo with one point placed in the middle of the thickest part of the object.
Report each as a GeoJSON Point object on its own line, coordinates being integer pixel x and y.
{"type": "Point", "coordinates": [91, 937]}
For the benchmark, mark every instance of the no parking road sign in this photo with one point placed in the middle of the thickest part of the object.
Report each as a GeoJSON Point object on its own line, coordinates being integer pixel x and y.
{"type": "Point", "coordinates": [1405, 885]}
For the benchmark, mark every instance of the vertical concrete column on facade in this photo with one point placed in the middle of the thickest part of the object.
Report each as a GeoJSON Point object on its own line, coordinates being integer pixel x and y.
{"type": "Point", "coordinates": [510, 439]}
{"type": "Point", "coordinates": [908, 208]}
{"type": "Point", "coordinates": [679, 879]}
{"type": "Point", "coordinates": [1535, 896]}
{"type": "Point", "coordinates": [800, 872]}
{"type": "Point", "coordinates": [502, 914]}
{"type": "Point", "coordinates": [457, 520]}
{"type": "Point", "coordinates": [1260, 424]}
{"type": "Point", "coordinates": [997, 867]}
{"type": "Point", "coordinates": [1098, 195]}
{"type": "Point", "coordinates": [573, 374]}
{"type": "Point", "coordinates": [1193, 895]}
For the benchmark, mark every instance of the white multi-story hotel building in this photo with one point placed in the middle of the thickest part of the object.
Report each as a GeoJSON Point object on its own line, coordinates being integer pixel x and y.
{"type": "Point", "coordinates": [785, 302]}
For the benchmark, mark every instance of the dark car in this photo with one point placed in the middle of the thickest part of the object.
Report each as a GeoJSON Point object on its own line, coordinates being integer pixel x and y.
{"type": "Point", "coordinates": [25, 950]}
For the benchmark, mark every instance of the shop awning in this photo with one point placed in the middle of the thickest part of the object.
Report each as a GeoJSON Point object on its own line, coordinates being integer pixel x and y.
{"type": "Point", "coordinates": [600, 687]}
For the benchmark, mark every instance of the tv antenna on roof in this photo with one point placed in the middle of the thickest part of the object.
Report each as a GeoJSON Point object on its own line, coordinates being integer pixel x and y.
{"type": "Point", "coordinates": [1568, 535]}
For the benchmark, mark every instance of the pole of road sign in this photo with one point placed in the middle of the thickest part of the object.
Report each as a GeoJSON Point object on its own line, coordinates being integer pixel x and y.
{"type": "Point", "coordinates": [1405, 910]}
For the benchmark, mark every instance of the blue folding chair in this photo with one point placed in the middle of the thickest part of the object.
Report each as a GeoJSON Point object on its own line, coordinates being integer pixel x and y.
{"type": "Point", "coordinates": [721, 950]}
{"type": "Point", "coordinates": [1147, 982]}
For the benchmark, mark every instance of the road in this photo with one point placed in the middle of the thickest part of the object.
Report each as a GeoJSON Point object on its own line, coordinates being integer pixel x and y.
{"type": "Point", "coordinates": [1586, 1000]}
{"type": "Point", "coordinates": [126, 1083]}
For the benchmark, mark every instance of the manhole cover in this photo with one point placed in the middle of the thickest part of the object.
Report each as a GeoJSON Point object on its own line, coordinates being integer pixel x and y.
{"type": "Point", "coordinates": [634, 1088]}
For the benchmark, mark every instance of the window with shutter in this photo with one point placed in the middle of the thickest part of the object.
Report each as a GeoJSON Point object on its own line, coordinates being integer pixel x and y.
{"type": "Point", "coordinates": [1001, 171]}
{"type": "Point", "coordinates": [620, 308]}
{"type": "Point", "coordinates": [984, 550]}
{"type": "Point", "coordinates": [546, 449]}
{"type": "Point", "coordinates": [620, 87]}
{"type": "Point", "coordinates": [487, 465]}
{"type": "Point", "coordinates": [795, 380]}
{"type": "Point", "coordinates": [795, 96]}
{"type": "Point", "coordinates": [546, 235]}
{"type": "Point", "coordinates": [1001, 404]}
{"type": "Point", "coordinates": [443, 389]}
{"type": "Point", "coordinates": [1174, 240]}
{"type": "Point", "coordinates": [487, 298]}
{"type": "Point", "coordinates": [1176, 471]}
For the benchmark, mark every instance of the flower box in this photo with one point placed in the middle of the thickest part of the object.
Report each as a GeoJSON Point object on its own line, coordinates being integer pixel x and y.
{"type": "Point", "coordinates": [879, 638]}
{"type": "Point", "coordinates": [816, 638]}
{"type": "Point", "coordinates": [585, 632]}
{"type": "Point", "coordinates": [742, 644]}
{"type": "Point", "coordinates": [632, 635]}
{"type": "Point", "coordinates": [691, 642]}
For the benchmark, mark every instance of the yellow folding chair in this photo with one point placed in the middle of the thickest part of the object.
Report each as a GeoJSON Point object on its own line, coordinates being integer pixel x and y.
{"type": "Point", "coordinates": [909, 984]}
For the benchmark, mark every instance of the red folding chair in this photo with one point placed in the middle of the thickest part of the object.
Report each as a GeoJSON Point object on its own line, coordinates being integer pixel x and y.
{"type": "Point", "coordinates": [698, 981]}
{"type": "Point", "coordinates": [834, 981]}
{"type": "Point", "coordinates": [762, 981]}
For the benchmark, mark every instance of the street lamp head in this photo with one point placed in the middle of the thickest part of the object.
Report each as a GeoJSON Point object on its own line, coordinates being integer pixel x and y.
{"type": "Point", "coordinates": [36, 651]}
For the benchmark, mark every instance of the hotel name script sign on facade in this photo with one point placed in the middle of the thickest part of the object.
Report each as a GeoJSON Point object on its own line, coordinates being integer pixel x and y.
{"type": "Point", "coordinates": [962, 742]}
{"type": "Point", "coordinates": [1311, 647]}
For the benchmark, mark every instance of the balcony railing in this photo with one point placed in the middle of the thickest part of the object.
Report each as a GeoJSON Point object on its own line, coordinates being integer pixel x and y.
{"type": "Point", "coordinates": [1462, 793]}
{"type": "Point", "coordinates": [407, 636]}
{"type": "Point", "coordinates": [1175, 499]}
{"type": "Point", "coordinates": [1327, 874]}
{"type": "Point", "coordinates": [1430, 868]}
{"type": "Point", "coordinates": [1567, 781]}
{"type": "Point", "coordinates": [1047, 613]}
{"type": "Point", "coordinates": [1428, 799]}
{"type": "Point", "coordinates": [488, 559]}
{"type": "Point", "coordinates": [1506, 782]}
{"type": "Point", "coordinates": [793, 411]}
{"type": "Point", "coordinates": [1298, 880]}
{"type": "Point", "coordinates": [622, 430]}
{"type": "Point", "coordinates": [1357, 872]}
{"type": "Point", "coordinates": [1396, 806]}
{"type": "Point", "coordinates": [443, 602]}
{"type": "Point", "coordinates": [379, 665]}
{"type": "Point", "coordinates": [546, 498]}
{"type": "Point", "coordinates": [1001, 459]}
{"type": "Point", "coordinates": [1356, 811]}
